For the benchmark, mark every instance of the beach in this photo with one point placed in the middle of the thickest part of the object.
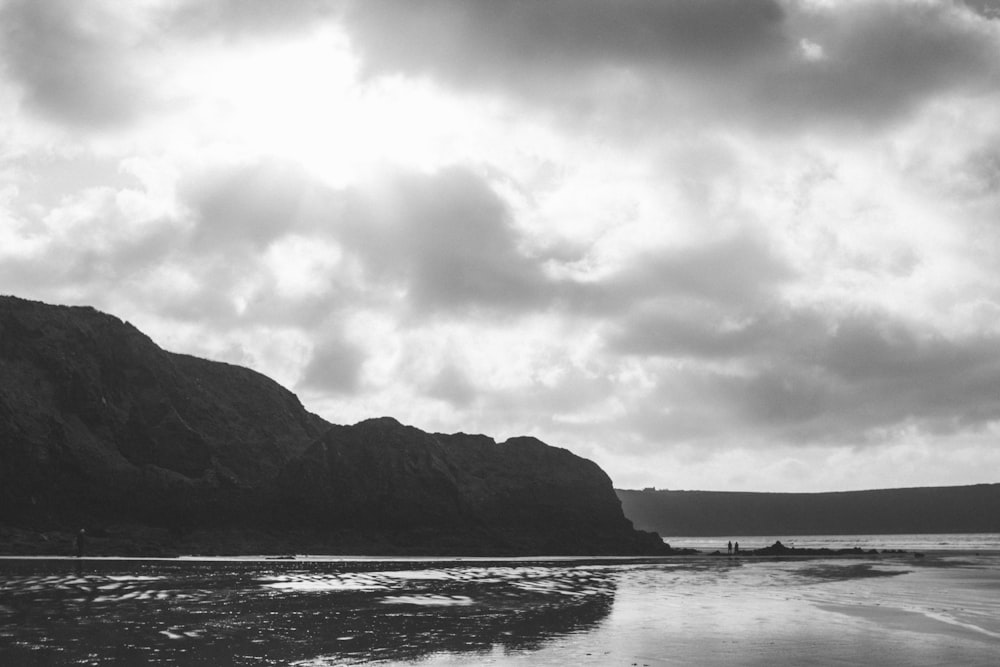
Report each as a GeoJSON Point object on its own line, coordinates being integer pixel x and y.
{"type": "Point", "coordinates": [941, 608]}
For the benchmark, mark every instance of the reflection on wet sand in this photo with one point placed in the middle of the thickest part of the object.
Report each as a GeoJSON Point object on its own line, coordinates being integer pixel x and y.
{"type": "Point", "coordinates": [942, 609]}
{"type": "Point", "coordinates": [280, 613]}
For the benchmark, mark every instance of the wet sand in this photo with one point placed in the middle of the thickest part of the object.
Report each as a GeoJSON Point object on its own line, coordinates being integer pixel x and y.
{"type": "Point", "coordinates": [792, 613]}
{"type": "Point", "coordinates": [942, 609]}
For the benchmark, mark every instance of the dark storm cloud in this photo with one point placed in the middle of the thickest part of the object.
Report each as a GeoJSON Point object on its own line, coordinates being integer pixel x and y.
{"type": "Point", "coordinates": [774, 64]}
{"type": "Point", "coordinates": [875, 374]}
{"type": "Point", "coordinates": [882, 350]}
{"type": "Point", "coordinates": [72, 61]}
{"type": "Point", "coordinates": [805, 376]}
{"type": "Point", "coordinates": [482, 42]}
{"type": "Point", "coordinates": [882, 59]}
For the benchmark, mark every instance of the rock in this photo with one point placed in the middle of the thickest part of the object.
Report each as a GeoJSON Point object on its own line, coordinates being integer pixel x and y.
{"type": "Point", "coordinates": [779, 549]}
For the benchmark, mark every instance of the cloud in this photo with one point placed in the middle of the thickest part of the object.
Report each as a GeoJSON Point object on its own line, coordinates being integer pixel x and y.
{"type": "Point", "coordinates": [89, 242]}
{"type": "Point", "coordinates": [248, 18]}
{"type": "Point", "coordinates": [335, 366]}
{"type": "Point", "coordinates": [569, 36]}
{"type": "Point", "coordinates": [713, 334]}
{"type": "Point", "coordinates": [265, 242]}
{"type": "Point", "coordinates": [254, 204]}
{"type": "Point", "coordinates": [986, 8]}
{"type": "Point", "coordinates": [737, 271]}
{"type": "Point", "coordinates": [104, 66]}
{"type": "Point", "coordinates": [807, 377]}
{"type": "Point", "coordinates": [452, 385]}
{"type": "Point", "coordinates": [906, 372]}
{"type": "Point", "coordinates": [661, 62]}
{"type": "Point", "coordinates": [447, 239]}
{"type": "Point", "coordinates": [77, 63]}
{"type": "Point", "coordinates": [882, 60]}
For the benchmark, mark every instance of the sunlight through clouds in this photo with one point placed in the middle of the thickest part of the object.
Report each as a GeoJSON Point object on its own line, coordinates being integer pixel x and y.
{"type": "Point", "coordinates": [727, 244]}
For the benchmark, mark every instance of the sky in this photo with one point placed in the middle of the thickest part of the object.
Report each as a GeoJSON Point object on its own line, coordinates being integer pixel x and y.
{"type": "Point", "coordinates": [723, 244]}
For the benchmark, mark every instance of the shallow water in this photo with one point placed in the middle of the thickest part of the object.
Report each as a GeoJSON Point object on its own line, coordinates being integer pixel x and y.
{"type": "Point", "coordinates": [944, 608]}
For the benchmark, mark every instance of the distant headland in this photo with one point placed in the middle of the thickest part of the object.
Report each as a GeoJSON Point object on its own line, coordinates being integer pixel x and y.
{"type": "Point", "coordinates": [943, 509]}
{"type": "Point", "coordinates": [157, 453]}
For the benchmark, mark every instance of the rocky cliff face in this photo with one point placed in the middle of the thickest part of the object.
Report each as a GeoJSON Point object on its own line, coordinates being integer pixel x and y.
{"type": "Point", "coordinates": [96, 420]}
{"type": "Point", "coordinates": [520, 496]}
{"type": "Point", "coordinates": [99, 426]}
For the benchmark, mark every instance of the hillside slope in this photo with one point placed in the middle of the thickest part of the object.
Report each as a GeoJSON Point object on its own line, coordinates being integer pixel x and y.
{"type": "Point", "coordinates": [954, 509]}
{"type": "Point", "coordinates": [100, 427]}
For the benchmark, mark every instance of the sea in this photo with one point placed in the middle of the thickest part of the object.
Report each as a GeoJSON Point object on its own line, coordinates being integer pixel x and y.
{"type": "Point", "coordinates": [922, 600]}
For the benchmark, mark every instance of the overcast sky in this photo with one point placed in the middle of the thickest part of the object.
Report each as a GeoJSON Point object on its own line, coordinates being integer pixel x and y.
{"type": "Point", "coordinates": [729, 245]}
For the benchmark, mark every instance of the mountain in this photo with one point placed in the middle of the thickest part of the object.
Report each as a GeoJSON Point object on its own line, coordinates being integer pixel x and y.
{"type": "Point", "coordinates": [157, 451]}
{"type": "Point", "coordinates": [947, 509]}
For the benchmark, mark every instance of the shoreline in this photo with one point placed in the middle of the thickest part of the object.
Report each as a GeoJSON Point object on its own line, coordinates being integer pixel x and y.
{"type": "Point", "coordinates": [145, 543]}
{"type": "Point", "coordinates": [924, 557]}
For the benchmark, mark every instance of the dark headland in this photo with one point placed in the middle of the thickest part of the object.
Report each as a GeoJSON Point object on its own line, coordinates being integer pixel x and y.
{"type": "Point", "coordinates": [156, 453]}
{"type": "Point", "coordinates": [946, 509]}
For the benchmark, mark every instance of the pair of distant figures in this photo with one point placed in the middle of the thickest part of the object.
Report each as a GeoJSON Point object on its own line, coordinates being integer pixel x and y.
{"type": "Point", "coordinates": [732, 548]}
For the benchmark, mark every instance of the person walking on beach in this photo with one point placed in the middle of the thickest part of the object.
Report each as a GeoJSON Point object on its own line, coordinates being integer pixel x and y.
{"type": "Point", "coordinates": [736, 548]}
{"type": "Point", "coordinates": [81, 539]}
{"type": "Point", "coordinates": [729, 547]}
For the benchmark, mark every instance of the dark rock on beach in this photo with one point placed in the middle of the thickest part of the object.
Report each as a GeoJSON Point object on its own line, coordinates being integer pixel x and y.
{"type": "Point", "coordinates": [156, 452]}
{"type": "Point", "coordinates": [779, 549]}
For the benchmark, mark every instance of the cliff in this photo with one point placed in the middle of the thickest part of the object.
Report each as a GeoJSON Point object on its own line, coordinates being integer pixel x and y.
{"type": "Point", "coordinates": [401, 484]}
{"type": "Point", "coordinates": [955, 509]}
{"type": "Point", "coordinates": [152, 450]}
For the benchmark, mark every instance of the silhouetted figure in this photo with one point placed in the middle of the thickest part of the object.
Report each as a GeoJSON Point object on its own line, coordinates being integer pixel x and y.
{"type": "Point", "coordinates": [81, 542]}
{"type": "Point", "coordinates": [736, 548]}
{"type": "Point", "coordinates": [729, 547]}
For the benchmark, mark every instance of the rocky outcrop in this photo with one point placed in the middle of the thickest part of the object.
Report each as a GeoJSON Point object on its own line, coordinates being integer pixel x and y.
{"type": "Point", "coordinates": [461, 492]}
{"type": "Point", "coordinates": [101, 427]}
{"type": "Point", "coordinates": [779, 549]}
